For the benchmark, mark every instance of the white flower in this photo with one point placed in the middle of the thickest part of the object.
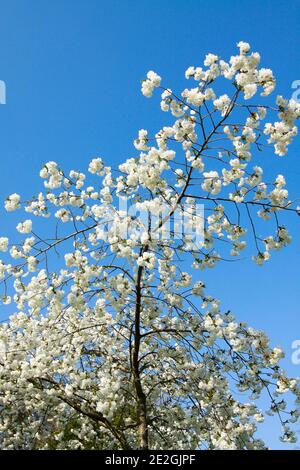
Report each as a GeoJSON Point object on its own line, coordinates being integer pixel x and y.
{"type": "Point", "coordinates": [69, 259]}
{"type": "Point", "coordinates": [222, 103]}
{"type": "Point", "coordinates": [267, 80]}
{"type": "Point", "coordinates": [154, 78]}
{"type": "Point", "coordinates": [153, 81]}
{"type": "Point", "coordinates": [25, 227]}
{"type": "Point", "coordinates": [212, 182]}
{"type": "Point", "coordinates": [3, 243]}
{"type": "Point", "coordinates": [32, 263]}
{"type": "Point", "coordinates": [12, 202]}
{"type": "Point", "coordinates": [6, 300]}
{"type": "Point", "coordinates": [249, 90]}
{"type": "Point", "coordinates": [144, 237]}
{"type": "Point", "coordinates": [63, 215]}
{"type": "Point", "coordinates": [190, 72]}
{"type": "Point", "coordinates": [198, 288]}
{"type": "Point", "coordinates": [54, 176]}
{"type": "Point", "coordinates": [194, 96]}
{"type": "Point", "coordinates": [141, 142]}
{"type": "Point", "coordinates": [261, 258]}
{"type": "Point", "coordinates": [147, 88]}
{"type": "Point", "coordinates": [96, 166]}
{"type": "Point", "coordinates": [210, 59]}
{"type": "Point", "coordinates": [244, 47]}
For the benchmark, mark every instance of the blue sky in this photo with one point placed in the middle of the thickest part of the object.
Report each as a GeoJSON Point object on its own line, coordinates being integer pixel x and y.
{"type": "Point", "coordinates": [72, 69]}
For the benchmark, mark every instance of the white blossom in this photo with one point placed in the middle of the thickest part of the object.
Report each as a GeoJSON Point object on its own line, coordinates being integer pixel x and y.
{"type": "Point", "coordinates": [110, 336]}
{"type": "Point", "coordinates": [25, 227]}
{"type": "Point", "coordinates": [12, 202]}
{"type": "Point", "coordinates": [3, 243]}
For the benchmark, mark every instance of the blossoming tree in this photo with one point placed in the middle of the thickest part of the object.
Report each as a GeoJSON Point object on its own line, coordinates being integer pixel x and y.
{"type": "Point", "coordinates": [113, 345]}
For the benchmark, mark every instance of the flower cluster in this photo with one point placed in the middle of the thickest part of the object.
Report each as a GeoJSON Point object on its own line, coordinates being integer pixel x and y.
{"type": "Point", "coordinates": [112, 344]}
{"type": "Point", "coordinates": [153, 81]}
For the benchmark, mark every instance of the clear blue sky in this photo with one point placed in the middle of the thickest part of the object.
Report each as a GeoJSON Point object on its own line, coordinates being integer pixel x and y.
{"type": "Point", "coordinates": [72, 70]}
